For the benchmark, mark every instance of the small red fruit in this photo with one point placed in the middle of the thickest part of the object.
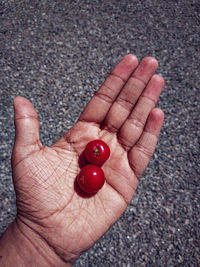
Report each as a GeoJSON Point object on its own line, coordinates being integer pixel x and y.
{"type": "Point", "coordinates": [91, 179]}
{"type": "Point", "coordinates": [97, 152]}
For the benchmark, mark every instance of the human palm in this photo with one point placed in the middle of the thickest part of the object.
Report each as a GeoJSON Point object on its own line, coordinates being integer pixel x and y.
{"type": "Point", "coordinates": [122, 114]}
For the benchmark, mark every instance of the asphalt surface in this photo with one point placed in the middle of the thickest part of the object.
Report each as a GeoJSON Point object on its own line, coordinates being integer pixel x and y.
{"type": "Point", "coordinates": [57, 53]}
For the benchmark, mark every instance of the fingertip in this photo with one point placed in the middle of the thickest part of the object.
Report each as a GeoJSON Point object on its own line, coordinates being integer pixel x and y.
{"type": "Point", "coordinates": [23, 107]}
{"type": "Point", "coordinates": [154, 87]}
{"type": "Point", "coordinates": [20, 100]}
{"type": "Point", "coordinates": [159, 77]}
{"type": "Point", "coordinates": [26, 126]}
{"type": "Point", "coordinates": [146, 69]}
{"type": "Point", "coordinates": [131, 57]}
{"type": "Point", "coordinates": [158, 113]}
{"type": "Point", "coordinates": [155, 120]}
{"type": "Point", "coordinates": [151, 61]}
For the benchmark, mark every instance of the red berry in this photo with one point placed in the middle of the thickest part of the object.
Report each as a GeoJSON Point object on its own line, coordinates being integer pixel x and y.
{"type": "Point", "coordinates": [97, 152]}
{"type": "Point", "coordinates": [91, 179]}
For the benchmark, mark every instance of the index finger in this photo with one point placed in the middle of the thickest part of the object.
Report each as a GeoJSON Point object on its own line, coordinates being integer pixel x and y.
{"type": "Point", "coordinates": [99, 105]}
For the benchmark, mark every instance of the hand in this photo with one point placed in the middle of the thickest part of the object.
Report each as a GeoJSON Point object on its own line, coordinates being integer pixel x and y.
{"type": "Point", "coordinates": [122, 113]}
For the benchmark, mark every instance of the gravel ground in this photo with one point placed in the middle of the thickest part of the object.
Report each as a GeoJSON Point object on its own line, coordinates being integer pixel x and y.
{"type": "Point", "coordinates": [57, 53]}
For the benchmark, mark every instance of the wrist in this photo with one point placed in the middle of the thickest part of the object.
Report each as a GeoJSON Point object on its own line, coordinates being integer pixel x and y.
{"type": "Point", "coordinates": [26, 248]}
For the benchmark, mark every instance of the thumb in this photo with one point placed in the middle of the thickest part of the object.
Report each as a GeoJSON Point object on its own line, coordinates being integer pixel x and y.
{"type": "Point", "coordinates": [27, 136]}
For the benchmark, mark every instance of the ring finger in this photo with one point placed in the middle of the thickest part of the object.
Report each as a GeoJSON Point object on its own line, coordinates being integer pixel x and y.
{"type": "Point", "coordinates": [133, 127]}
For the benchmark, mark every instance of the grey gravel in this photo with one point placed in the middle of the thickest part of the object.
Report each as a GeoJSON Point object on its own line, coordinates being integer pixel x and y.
{"type": "Point", "coordinates": [57, 53]}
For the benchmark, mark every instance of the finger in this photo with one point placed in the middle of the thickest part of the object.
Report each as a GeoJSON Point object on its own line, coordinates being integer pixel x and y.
{"type": "Point", "coordinates": [134, 125]}
{"type": "Point", "coordinates": [141, 153]}
{"type": "Point", "coordinates": [27, 137]}
{"type": "Point", "coordinates": [128, 97]}
{"type": "Point", "coordinates": [101, 102]}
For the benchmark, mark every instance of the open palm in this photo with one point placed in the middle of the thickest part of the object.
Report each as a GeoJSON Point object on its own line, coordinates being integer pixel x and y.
{"type": "Point", "coordinates": [122, 113]}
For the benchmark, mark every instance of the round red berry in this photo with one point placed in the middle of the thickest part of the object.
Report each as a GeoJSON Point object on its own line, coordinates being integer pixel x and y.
{"type": "Point", "coordinates": [97, 152]}
{"type": "Point", "coordinates": [91, 179]}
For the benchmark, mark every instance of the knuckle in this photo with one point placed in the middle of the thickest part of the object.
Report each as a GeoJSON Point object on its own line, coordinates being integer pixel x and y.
{"type": "Point", "coordinates": [144, 151]}
{"type": "Point", "coordinates": [124, 142]}
{"type": "Point", "coordinates": [137, 121]}
{"type": "Point", "coordinates": [115, 76]}
{"type": "Point", "coordinates": [104, 96]}
{"type": "Point", "coordinates": [124, 101]}
{"type": "Point", "coordinates": [111, 127]}
{"type": "Point", "coordinates": [149, 100]}
{"type": "Point", "coordinates": [135, 170]}
{"type": "Point", "coordinates": [137, 83]}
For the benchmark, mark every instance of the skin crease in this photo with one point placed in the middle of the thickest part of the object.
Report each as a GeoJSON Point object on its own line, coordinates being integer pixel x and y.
{"type": "Point", "coordinates": [126, 119]}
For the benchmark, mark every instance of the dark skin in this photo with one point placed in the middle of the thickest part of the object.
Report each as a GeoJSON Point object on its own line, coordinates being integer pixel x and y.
{"type": "Point", "coordinates": [122, 113]}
